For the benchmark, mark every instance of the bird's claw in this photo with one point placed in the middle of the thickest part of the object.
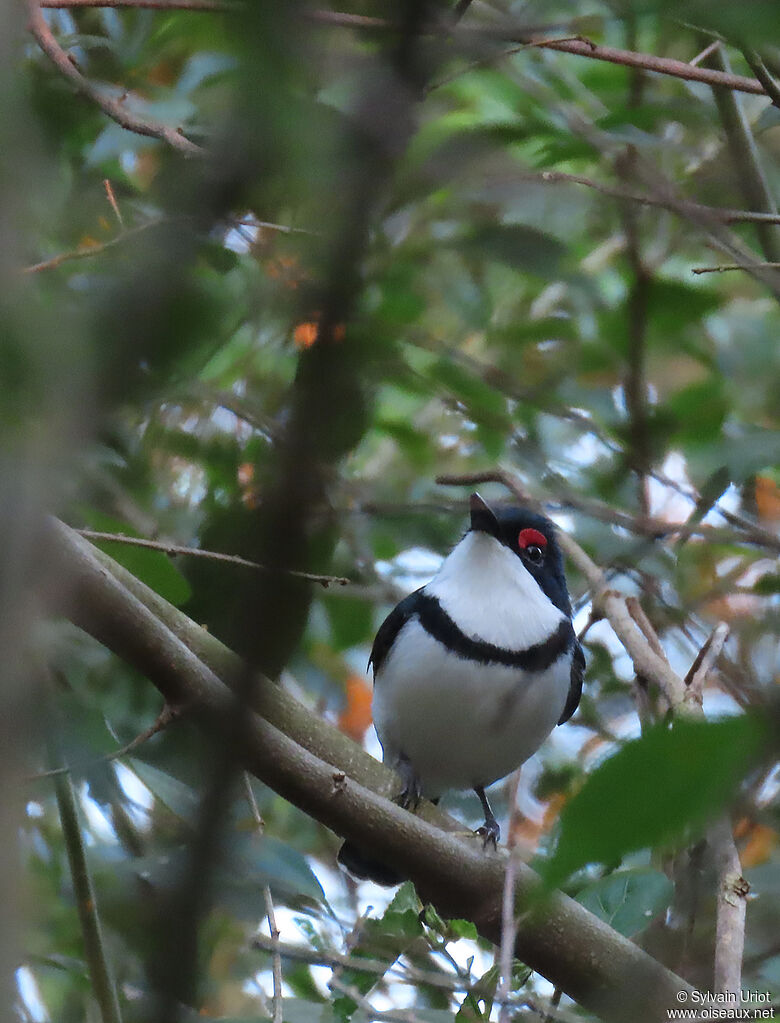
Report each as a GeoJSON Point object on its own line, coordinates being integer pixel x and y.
{"type": "Point", "coordinates": [490, 832]}
{"type": "Point", "coordinates": [411, 794]}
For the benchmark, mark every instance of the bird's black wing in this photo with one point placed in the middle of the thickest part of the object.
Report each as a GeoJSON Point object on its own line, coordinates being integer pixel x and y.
{"type": "Point", "coordinates": [575, 686]}
{"type": "Point", "coordinates": [390, 628]}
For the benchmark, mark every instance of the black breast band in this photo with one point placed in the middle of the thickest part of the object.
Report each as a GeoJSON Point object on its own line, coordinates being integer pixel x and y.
{"type": "Point", "coordinates": [438, 624]}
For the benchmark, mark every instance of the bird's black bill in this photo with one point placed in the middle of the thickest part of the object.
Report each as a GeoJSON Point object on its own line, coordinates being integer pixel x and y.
{"type": "Point", "coordinates": [482, 516]}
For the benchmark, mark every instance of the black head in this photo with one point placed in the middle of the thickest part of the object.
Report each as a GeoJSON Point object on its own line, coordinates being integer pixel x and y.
{"type": "Point", "coordinates": [532, 538]}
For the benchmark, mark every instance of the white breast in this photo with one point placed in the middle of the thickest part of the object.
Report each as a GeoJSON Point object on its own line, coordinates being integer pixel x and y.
{"type": "Point", "coordinates": [490, 595]}
{"type": "Point", "coordinates": [461, 723]}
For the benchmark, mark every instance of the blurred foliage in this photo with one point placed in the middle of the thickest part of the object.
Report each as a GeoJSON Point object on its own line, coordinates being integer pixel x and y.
{"type": "Point", "coordinates": [479, 314]}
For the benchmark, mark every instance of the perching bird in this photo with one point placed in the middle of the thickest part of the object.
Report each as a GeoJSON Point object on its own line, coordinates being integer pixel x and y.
{"type": "Point", "coordinates": [474, 670]}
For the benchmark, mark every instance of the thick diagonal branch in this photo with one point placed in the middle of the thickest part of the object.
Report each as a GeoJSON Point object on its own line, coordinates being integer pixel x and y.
{"type": "Point", "coordinates": [592, 963]}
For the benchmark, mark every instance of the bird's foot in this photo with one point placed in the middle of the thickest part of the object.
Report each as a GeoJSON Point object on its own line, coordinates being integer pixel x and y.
{"type": "Point", "coordinates": [490, 832]}
{"type": "Point", "coordinates": [410, 795]}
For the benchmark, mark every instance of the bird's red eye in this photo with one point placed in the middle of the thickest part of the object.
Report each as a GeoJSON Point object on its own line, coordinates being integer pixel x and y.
{"type": "Point", "coordinates": [531, 538]}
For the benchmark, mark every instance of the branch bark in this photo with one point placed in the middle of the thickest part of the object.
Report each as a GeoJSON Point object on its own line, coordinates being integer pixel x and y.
{"type": "Point", "coordinates": [335, 781]}
{"type": "Point", "coordinates": [508, 33]}
{"type": "Point", "coordinates": [112, 107]}
{"type": "Point", "coordinates": [745, 157]}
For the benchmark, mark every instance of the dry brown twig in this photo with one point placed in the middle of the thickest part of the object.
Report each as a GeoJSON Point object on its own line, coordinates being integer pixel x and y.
{"type": "Point", "coordinates": [508, 921]}
{"type": "Point", "coordinates": [704, 663]}
{"type": "Point", "coordinates": [151, 5]}
{"type": "Point", "coordinates": [112, 107]}
{"type": "Point", "coordinates": [770, 219]}
{"type": "Point", "coordinates": [683, 207]}
{"type": "Point", "coordinates": [85, 251]}
{"type": "Point", "coordinates": [163, 719]}
{"type": "Point", "coordinates": [578, 46]}
{"type": "Point", "coordinates": [197, 552]}
{"type": "Point", "coordinates": [277, 958]}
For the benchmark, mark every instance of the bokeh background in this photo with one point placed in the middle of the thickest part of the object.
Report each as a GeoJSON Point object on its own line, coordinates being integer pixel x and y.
{"type": "Point", "coordinates": [354, 255]}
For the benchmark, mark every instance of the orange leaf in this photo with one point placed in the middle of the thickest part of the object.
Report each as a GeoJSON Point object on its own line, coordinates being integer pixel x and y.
{"type": "Point", "coordinates": [767, 499]}
{"type": "Point", "coordinates": [356, 716]}
{"type": "Point", "coordinates": [759, 846]}
{"type": "Point", "coordinates": [250, 495]}
{"type": "Point", "coordinates": [305, 335]}
{"type": "Point", "coordinates": [246, 473]}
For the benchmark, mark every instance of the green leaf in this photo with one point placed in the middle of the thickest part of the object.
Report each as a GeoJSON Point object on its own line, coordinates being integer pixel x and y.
{"type": "Point", "coordinates": [259, 860]}
{"type": "Point", "coordinates": [462, 929]}
{"type": "Point", "coordinates": [386, 938]}
{"type": "Point", "coordinates": [351, 621]}
{"type": "Point", "coordinates": [523, 248]}
{"type": "Point", "coordinates": [628, 899]}
{"type": "Point", "coordinates": [697, 412]}
{"type": "Point", "coordinates": [767, 585]}
{"type": "Point", "coordinates": [654, 789]}
{"type": "Point", "coordinates": [172, 793]}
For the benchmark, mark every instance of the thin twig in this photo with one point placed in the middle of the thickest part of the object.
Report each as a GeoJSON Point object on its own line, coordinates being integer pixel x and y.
{"type": "Point", "coordinates": [508, 922]}
{"type": "Point", "coordinates": [164, 718]}
{"type": "Point", "coordinates": [378, 1015]}
{"type": "Point", "coordinates": [641, 692]}
{"type": "Point", "coordinates": [112, 107]}
{"type": "Point", "coordinates": [705, 53]}
{"type": "Point", "coordinates": [112, 201]}
{"type": "Point", "coordinates": [637, 612]}
{"type": "Point", "coordinates": [494, 58]}
{"type": "Point", "coordinates": [731, 909]}
{"type": "Point", "coordinates": [85, 251]}
{"type": "Point", "coordinates": [736, 266]}
{"type": "Point", "coordinates": [103, 986]}
{"type": "Point", "coordinates": [683, 207]}
{"type": "Point", "coordinates": [154, 5]}
{"type": "Point", "coordinates": [196, 552]}
{"type": "Point", "coordinates": [406, 974]}
{"type": "Point", "coordinates": [705, 662]}
{"type": "Point", "coordinates": [762, 73]}
{"type": "Point", "coordinates": [575, 45]}
{"type": "Point", "coordinates": [250, 798]}
{"type": "Point", "coordinates": [277, 958]}
{"type": "Point", "coordinates": [579, 46]}
{"type": "Point", "coordinates": [744, 154]}
{"type": "Point", "coordinates": [732, 889]}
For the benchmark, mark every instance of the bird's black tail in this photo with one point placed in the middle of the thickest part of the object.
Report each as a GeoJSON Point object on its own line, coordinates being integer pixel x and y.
{"type": "Point", "coordinates": [366, 867]}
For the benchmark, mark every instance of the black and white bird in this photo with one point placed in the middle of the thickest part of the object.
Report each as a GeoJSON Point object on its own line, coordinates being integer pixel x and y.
{"type": "Point", "coordinates": [474, 670]}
